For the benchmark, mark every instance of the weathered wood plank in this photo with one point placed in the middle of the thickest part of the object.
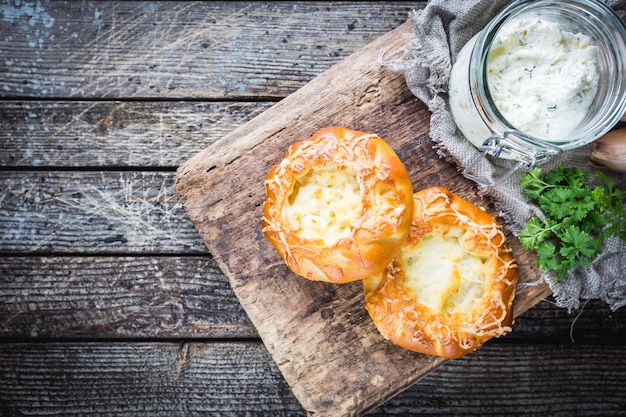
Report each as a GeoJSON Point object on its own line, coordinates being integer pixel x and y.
{"type": "Point", "coordinates": [594, 322]}
{"type": "Point", "coordinates": [181, 49]}
{"type": "Point", "coordinates": [93, 212]}
{"type": "Point", "coordinates": [114, 134]}
{"type": "Point", "coordinates": [189, 297]}
{"type": "Point", "coordinates": [118, 297]}
{"type": "Point", "coordinates": [522, 380]}
{"type": "Point", "coordinates": [160, 379]}
{"type": "Point", "coordinates": [234, 379]}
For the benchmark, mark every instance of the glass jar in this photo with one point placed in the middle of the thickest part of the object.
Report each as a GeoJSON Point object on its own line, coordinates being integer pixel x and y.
{"type": "Point", "coordinates": [515, 97]}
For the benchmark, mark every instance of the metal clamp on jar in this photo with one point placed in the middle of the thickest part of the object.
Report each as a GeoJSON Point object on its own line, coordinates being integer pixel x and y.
{"type": "Point", "coordinates": [541, 78]}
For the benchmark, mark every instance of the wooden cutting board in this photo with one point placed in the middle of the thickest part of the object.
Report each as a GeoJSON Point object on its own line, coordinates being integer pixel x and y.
{"type": "Point", "coordinates": [320, 334]}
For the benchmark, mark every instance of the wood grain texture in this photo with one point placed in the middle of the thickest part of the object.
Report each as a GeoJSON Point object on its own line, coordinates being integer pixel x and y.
{"type": "Point", "coordinates": [120, 93]}
{"type": "Point", "coordinates": [351, 368]}
{"type": "Point", "coordinates": [87, 297]}
{"type": "Point", "coordinates": [235, 379]}
{"type": "Point", "coordinates": [180, 49]}
{"type": "Point", "coordinates": [87, 212]}
{"type": "Point", "coordinates": [560, 380]}
{"type": "Point", "coordinates": [151, 379]}
{"type": "Point", "coordinates": [74, 134]}
{"type": "Point", "coordinates": [593, 323]}
{"type": "Point", "coordinates": [118, 297]}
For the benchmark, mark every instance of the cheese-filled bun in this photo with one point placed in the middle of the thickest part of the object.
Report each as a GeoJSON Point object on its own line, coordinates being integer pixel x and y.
{"type": "Point", "coordinates": [451, 288]}
{"type": "Point", "coordinates": [338, 205]}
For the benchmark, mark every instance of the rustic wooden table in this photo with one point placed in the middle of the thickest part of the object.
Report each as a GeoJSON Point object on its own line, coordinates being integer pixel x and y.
{"type": "Point", "coordinates": [110, 302]}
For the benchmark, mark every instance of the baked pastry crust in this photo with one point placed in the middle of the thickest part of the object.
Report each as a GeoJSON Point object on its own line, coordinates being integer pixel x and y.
{"type": "Point", "coordinates": [338, 206]}
{"type": "Point", "coordinates": [452, 287]}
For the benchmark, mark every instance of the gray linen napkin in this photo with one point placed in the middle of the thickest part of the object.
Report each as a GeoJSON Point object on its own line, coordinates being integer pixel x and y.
{"type": "Point", "coordinates": [441, 29]}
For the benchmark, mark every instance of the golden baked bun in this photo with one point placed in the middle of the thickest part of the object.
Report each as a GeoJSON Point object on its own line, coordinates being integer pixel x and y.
{"type": "Point", "coordinates": [338, 206]}
{"type": "Point", "coordinates": [451, 288]}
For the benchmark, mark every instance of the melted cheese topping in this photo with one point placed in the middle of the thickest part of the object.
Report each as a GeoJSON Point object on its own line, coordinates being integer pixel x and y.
{"type": "Point", "coordinates": [323, 204]}
{"type": "Point", "coordinates": [442, 275]}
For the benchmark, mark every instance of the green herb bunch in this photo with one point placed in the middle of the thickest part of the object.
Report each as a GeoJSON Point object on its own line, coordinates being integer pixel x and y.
{"type": "Point", "coordinates": [578, 217]}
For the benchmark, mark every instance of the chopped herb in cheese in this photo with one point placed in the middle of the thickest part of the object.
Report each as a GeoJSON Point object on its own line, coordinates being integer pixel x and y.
{"type": "Point", "coordinates": [542, 78]}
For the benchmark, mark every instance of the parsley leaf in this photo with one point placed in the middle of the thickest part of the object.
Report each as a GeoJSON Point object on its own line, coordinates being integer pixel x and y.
{"type": "Point", "coordinates": [547, 256]}
{"type": "Point", "coordinates": [578, 217]}
{"type": "Point", "coordinates": [534, 233]}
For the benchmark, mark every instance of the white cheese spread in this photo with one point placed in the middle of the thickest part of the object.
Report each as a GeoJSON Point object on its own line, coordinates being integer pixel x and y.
{"type": "Point", "coordinates": [541, 77]}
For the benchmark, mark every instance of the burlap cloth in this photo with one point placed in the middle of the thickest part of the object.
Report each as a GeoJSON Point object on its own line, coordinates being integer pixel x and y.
{"type": "Point", "coordinates": [441, 29]}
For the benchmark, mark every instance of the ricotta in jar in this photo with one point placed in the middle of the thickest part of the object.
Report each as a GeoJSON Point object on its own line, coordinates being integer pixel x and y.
{"type": "Point", "coordinates": [541, 77]}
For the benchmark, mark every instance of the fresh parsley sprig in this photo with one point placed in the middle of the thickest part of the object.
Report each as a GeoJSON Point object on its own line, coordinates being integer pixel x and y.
{"type": "Point", "coordinates": [578, 216]}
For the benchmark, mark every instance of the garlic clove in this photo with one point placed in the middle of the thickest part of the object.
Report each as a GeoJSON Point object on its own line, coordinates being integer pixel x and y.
{"type": "Point", "coordinates": [609, 151]}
